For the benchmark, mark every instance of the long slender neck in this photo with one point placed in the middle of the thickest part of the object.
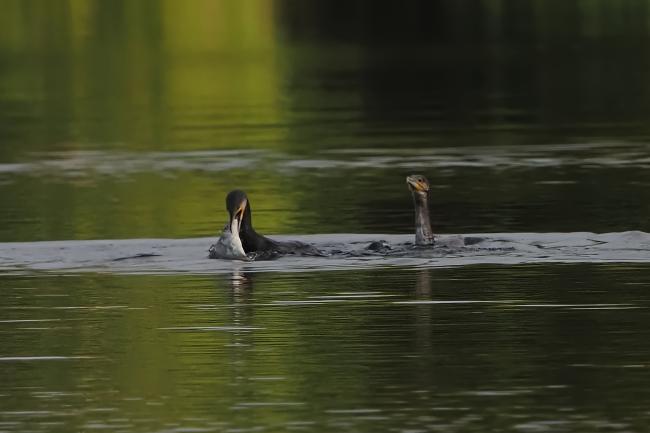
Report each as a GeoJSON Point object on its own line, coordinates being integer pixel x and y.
{"type": "Point", "coordinates": [251, 240]}
{"type": "Point", "coordinates": [247, 233]}
{"type": "Point", "coordinates": [247, 220]}
{"type": "Point", "coordinates": [423, 233]}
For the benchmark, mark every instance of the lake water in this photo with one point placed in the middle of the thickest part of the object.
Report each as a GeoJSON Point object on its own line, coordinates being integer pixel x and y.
{"type": "Point", "coordinates": [124, 124]}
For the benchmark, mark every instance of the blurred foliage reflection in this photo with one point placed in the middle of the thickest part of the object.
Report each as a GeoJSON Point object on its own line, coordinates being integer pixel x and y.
{"type": "Point", "coordinates": [299, 79]}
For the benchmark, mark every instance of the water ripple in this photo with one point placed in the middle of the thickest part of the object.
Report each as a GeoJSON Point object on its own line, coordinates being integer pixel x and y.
{"type": "Point", "coordinates": [85, 163]}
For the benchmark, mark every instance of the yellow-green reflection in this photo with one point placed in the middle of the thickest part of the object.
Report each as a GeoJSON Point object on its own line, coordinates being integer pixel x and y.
{"type": "Point", "coordinates": [297, 79]}
{"type": "Point", "coordinates": [368, 349]}
{"type": "Point", "coordinates": [142, 75]}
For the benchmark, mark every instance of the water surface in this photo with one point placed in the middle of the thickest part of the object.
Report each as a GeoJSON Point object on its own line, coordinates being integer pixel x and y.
{"type": "Point", "coordinates": [337, 251]}
{"type": "Point", "coordinates": [134, 120]}
{"type": "Point", "coordinates": [559, 347]}
{"type": "Point", "coordinates": [124, 124]}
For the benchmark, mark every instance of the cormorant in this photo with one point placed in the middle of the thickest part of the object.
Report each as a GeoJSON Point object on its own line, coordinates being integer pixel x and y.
{"type": "Point", "coordinates": [419, 186]}
{"type": "Point", "coordinates": [255, 245]}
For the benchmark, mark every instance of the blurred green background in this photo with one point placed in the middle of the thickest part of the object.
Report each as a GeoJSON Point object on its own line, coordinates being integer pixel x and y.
{"type": "Point", "coordinates": [135, 118]}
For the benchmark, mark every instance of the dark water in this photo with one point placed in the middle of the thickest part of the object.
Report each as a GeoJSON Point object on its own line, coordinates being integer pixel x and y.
{"type": "Point", "coordinates": [132, 120]}
{"type": "Point", "coordinates": [524, 348]}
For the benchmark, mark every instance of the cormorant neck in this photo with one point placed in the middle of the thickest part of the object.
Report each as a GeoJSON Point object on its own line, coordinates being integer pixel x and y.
{"type": "Point", "coordinates": [250, 239]}
{"type": "Point", "coordinates": [247, 220]}
{"type": "Point", "coordinates": [423, 233]}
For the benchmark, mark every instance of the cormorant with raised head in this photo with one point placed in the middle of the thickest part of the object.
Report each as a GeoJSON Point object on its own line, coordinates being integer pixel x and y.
{"type": "Point", "coordinates": [419, 186]}
{"type": "Point", "coordinates": [255, 245]}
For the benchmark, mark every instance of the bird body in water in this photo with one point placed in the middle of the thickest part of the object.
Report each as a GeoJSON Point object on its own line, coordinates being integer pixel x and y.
{"type": "Point", "coordinates": [254, 245]}
{"type": "Point", "coordinates": [419, 186]}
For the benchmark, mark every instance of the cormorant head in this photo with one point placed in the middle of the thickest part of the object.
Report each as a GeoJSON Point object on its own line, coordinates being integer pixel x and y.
{"type": "Point", "coordinates": [418, 184]}
{"type": "Point", "coordinates": [236, 203]}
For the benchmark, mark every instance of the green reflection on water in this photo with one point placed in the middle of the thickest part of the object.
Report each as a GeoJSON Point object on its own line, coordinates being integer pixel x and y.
{"type": "Point", "coordinates": [501, 347]}
{"type": "Point", "coordinates": [205, 74]}
{"type": "Point", "coordinates": [139, 75]}
{"type": "Point", "coordinates": [297, 80]}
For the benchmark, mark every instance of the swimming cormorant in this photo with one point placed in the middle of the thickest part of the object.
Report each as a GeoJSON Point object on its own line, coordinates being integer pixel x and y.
{"type": "Point", "coordinates": [419, 186]}
{"type": "Point", "coordinates": [255, 245]}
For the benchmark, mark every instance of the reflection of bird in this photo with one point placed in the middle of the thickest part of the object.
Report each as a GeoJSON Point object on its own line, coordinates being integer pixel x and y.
{"type": "Point", "coordinates": [240, 282]}
{"type": "Point", "coordinates": [419, 186]}
{"type": "Point", "coordinates": [256, 245]}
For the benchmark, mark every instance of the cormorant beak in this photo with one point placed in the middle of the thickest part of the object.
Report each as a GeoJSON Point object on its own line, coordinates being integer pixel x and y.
{"type": "Point", "coordinates": [237, 217]}
{"type": "Point", "coordinates": [416, 184]}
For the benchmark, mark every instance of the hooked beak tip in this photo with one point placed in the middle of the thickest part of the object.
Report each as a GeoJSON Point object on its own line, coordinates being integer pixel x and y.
{"type": "Point", "coordinates": [413, 186]}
